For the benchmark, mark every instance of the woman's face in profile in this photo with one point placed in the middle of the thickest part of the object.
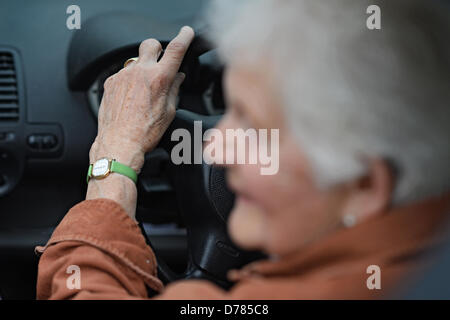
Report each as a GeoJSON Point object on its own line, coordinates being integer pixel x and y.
{"type": "Point", "coordinates": [277, 213]}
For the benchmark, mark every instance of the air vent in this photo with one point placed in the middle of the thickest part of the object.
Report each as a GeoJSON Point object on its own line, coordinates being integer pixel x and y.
{"type": "Point", "coordinates": [9, 97]}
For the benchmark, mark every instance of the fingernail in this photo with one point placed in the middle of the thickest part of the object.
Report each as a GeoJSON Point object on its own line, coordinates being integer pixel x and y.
{"type": "Point", "coordinates": [186, 28]}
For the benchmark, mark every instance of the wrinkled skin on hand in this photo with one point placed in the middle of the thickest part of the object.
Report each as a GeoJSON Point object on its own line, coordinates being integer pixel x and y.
{"type": "Point", "coordinates": [137, 107]}
{"type": "Point", "coordinates": [139, 102]}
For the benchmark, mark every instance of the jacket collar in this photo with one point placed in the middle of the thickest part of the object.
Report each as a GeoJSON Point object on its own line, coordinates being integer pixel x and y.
{"type": "Point", "coordinates": [407, 230]}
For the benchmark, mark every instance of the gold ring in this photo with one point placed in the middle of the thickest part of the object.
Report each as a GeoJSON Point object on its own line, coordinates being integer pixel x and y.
{"type": "Point", "coordinates": [129, 60]}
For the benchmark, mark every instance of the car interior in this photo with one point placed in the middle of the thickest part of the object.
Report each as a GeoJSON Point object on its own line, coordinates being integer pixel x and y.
{"type": "Point", "coordinates": [51, 85]}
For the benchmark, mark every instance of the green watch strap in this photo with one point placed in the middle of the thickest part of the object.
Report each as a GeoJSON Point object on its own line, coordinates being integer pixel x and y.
{"type": "Point", "coordinates": [116, 167]}
{"type": "Point", "coordinates": [122, 169]}
{"type": "Point", "coordinates": [89, 174]}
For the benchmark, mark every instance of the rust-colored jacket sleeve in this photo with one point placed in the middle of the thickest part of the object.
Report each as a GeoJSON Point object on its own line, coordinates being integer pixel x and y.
{"type": "Point", "coordinates": [107, 246]}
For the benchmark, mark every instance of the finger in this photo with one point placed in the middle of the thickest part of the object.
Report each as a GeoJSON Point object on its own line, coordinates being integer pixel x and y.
{"type": "Point", "coordinates": [175, 89]}
{"type": "Point", "coordinates": [149, 51]}
{"type": "Point", "coordinates": [175, 51]}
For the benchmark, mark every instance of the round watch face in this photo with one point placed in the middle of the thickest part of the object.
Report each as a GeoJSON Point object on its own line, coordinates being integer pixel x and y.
{"type": "Point", "coordinates": [100, 168]}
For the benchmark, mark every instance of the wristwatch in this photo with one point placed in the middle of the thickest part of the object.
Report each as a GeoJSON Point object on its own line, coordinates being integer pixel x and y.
{"type": "Point", "coordinates": [100, 169]}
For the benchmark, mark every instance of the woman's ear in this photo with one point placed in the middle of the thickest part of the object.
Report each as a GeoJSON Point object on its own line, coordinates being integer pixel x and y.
{"type": "Point", "coordinates": [370, 195]}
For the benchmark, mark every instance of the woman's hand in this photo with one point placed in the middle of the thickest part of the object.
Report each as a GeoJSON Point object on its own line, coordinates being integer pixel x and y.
{"type": "Point", "coordinates": [139, 102]}
{"type": "Point", "coordinates": [137, 107]}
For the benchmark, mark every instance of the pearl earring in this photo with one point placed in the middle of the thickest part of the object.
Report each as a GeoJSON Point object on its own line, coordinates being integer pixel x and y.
{"type": "Point", "coordinates": [349, 220]}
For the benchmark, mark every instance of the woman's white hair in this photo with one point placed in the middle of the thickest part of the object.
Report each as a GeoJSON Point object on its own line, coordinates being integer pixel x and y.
{"type": "Point", "coordinates": [350, 92]}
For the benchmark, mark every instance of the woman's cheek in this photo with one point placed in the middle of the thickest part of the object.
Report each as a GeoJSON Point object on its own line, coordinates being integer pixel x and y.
{"type": "Point", "coordinates": [270, 194]}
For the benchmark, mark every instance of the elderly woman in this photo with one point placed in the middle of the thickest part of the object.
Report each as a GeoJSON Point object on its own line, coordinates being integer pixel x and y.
{"type": "Point", "coordinates": [363, 176]}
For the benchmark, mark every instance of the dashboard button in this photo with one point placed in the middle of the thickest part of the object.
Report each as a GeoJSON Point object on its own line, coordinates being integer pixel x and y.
{"type": "Point", "coordinates": [7, 136]}
{"type": "Point", "coordinates": [42, 142]}
{"type": "Point", "coordinates": [48, 141]}
{"type": "Point", "coordinates": [34, 141]}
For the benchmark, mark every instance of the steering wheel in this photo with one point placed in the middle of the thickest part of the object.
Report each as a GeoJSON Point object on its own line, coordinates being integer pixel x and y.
{"type": "Point", "coordinates": [203, 198]}
{"type": "Point", "coordinates": [201, 192]}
